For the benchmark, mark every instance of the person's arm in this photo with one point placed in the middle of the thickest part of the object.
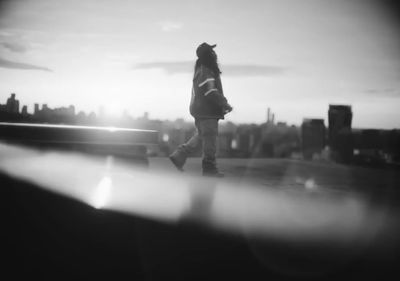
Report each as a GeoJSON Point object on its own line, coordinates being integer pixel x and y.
{"type": "Point", "coordinates": [208, 86]}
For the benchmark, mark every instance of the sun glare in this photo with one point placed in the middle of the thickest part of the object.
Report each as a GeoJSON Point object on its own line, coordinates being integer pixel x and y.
{"type": "Point", "coordinates": [111, 129]}
{"type": "Point", "coordinates": [112, 109]}
{"type": "Point", "coordinates": [102, 192]}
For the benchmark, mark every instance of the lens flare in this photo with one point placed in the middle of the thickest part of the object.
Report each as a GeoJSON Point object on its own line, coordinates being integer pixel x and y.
{"type": "Point", "coordinates": [102, 193]}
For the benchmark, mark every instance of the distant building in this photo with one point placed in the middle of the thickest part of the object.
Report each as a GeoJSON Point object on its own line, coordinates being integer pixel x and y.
{"type": "Point", "coordinates": [61, 115]}
{"type": "Point", "coordinates": [92, 118]}
{"type": "Point", "coordinates": [278, 140]}
{"type": "Point", "coordinates": [36, 110]}
{"type": "Point", "coordinates": [375, 146]}
{"type": "Point", "coordinates": [24, 111]}
{"type": "Point", "coordinates": [313, 133]}
{"type": "Point", "coordinates": [245, 141]}
{"type": "Point", "coordinates": [10, 111]}
{"type": "Point", "coordinates": [64, 111]}
{"type": "Point", "coordinates": [270, 116]}
{"type": "Point", "coordinates": [340, 135]}
{"type": "Point", "coordinates": [12, 105]}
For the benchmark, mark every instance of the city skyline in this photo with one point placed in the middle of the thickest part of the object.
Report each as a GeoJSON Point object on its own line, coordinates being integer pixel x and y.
{"type": "Point", "coordinates": [336, 139]}
{"type": "Point", "coordinates": [13, 105]}
{"type": "Point", "coordinates": [295, 57]}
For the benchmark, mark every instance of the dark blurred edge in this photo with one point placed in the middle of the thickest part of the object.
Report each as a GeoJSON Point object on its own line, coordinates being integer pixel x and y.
{"type": "Point", "coordinates": [392, 7]}
{"type": "Point", "coordinates": [49, 236]}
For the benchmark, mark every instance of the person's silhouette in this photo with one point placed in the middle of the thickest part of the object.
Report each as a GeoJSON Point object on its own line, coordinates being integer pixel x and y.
{"type": "Point", "coordinates": [208, 104]}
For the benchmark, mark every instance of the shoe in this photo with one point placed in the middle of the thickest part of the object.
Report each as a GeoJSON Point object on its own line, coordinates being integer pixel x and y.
{"type": "Point", "coordinates": [214, 173]}
{"type": "Point", "coordinates": [178, 164]}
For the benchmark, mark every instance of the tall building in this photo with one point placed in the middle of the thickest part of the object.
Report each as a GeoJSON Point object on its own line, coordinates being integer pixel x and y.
{"type": "Point", "coordinates": [24, 111]}
{"type": "Point", "coordinates": [340, 117]}
{"type": "Point", "coordinates": [71, 110]}
{"type": "Point", "coordinates": [340, 137]}
{"type": "Point", "coordinates": [36, 110]}
{"type": "Point", "coordinates": [270, 116]}
{"type": "Point", "coordinates": [312, 137]}
{"type": "Point", "coordinates": [12, 105]}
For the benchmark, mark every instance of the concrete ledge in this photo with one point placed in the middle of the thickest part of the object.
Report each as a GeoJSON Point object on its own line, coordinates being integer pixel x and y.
{"type": "Point", "coordinates": [121, 142]}
{"type": "Point", "coordinates": [49, 133]}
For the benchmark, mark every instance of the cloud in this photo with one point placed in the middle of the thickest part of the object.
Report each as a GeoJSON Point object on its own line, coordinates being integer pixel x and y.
{"type": "Point", "coordinates": [169, 26]}
{"type": "Point", "coordinates": [388, 92]}
{"type": "Point", "coordinates": [14, 47]}
{"type": "Point", "coordinates": [19, 65]}
{"type": "Point", "coordinates": [228, 70]}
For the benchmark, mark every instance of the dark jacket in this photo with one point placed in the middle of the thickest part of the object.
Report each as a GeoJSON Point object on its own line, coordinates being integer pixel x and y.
{"type": "Point", "coordinates": [208, 100]}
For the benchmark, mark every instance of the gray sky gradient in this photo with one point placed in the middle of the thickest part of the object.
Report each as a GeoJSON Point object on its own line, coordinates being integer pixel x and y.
{"type": "Point", "coordinates": [296, 57]}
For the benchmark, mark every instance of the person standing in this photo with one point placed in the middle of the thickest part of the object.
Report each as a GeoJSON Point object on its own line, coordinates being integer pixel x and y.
{"type": "Point", "coordinates": [207, 105]}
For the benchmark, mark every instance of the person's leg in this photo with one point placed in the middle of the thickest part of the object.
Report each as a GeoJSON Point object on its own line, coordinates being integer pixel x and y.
{"type": "Point", "coordinates": [179, 156]}
{"type": "Point", "coordinates": [209, 132]}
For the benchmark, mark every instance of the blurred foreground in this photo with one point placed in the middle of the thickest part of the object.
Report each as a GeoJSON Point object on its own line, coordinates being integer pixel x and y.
{"type": "Point", "coordinates": [71, 215]}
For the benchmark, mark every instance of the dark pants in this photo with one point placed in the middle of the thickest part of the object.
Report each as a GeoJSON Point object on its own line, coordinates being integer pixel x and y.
{"type": "Point", "coordinates": [207, 131]}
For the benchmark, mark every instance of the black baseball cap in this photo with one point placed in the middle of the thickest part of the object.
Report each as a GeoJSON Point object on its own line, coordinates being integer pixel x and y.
{"type": "Point", "coordinates": [203, 48]}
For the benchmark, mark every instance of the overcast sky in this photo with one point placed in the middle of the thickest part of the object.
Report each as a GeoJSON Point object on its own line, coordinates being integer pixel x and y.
{"type": "Point", "coordinates": [295, 56]}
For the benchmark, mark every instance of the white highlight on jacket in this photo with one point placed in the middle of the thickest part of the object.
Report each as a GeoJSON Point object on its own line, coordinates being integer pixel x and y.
{"type": "Point", "coordinates": [210, 91]}
{"type": "Point", "coordinates": [205, 81]}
